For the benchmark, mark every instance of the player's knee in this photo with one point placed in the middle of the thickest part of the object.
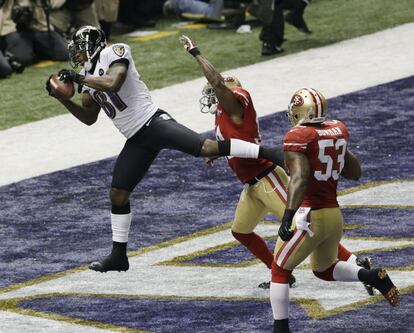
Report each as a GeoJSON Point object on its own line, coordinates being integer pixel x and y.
{"type": "Point", "coordinates": [245, 239]}
{"type": "Point", "coordinates": [279, 274]}
{"type": "Point", "coordinates": [118, 197]}
{"type": "Point", "coordinates": [327, 274]}
{"type": "Point", "coordinates": [209, 148]}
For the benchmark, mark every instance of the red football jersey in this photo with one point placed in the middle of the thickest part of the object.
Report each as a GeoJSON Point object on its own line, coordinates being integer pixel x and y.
{"type": "Point", "coordinates": [248, 130]}
{"type": "Point", "coordinates": [325, 146]}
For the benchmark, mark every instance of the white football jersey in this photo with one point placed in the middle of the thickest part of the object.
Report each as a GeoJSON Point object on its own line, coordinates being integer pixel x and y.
{"type": "Point", "coordinates": [131, 107]}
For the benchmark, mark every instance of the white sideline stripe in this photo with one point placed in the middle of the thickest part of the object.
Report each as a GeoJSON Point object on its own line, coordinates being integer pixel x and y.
{"type": "Point", "coordinates": [62, 142]}
{"type": "Point", "coordinates": [17, 323]}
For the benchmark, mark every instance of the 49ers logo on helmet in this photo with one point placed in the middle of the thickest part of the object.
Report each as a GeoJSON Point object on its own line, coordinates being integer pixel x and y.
{"type": "Point", "coordinates": [297, 100]}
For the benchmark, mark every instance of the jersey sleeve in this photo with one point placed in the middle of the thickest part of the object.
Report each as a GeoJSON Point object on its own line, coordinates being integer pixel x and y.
{"type": "Point", "coordinates": [119, 53]}
{"type": "Point", "coordinates": [344, 130]}
{"type": "Point", "coordinates": [242, 96]}
{"type": "Point", "coordinates": [297, 139]}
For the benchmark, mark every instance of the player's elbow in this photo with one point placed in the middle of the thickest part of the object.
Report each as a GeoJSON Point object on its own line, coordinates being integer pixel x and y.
{"type": "Point", "coordinates": [217, 82]}
{"type": "Point", "coordinates": [114, 86]}
{"type": "Point", "coordinates": [352, 168]}
{"type": "Point", "coordinates": [300, 181]}
{"type": "Point", "coordinates": [89, 122]}
{"type": "Point", "coordinates": [352, 174]}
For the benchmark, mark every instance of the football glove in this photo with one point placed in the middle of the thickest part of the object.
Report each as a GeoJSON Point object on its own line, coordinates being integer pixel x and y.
{"type": "Point", "coordinates": [189, 45]}
{"type": "Point", "coordinates": [66, 75]}
{"type": "Point", "coordinates": [284, 230]}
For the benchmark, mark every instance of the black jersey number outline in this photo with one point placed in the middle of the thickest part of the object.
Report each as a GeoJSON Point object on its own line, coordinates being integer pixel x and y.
{"type": "Point", "coordinates": [109, 106]}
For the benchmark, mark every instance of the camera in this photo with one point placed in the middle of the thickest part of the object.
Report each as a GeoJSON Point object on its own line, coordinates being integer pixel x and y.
{"type": "Point", "coordinates": [22, 16]}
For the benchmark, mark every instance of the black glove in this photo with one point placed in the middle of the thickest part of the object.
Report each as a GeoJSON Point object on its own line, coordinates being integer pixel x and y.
{"type": "Point", "coordinates": [284, 231]}
{"type": "Point", "coordinates": [68, 75]}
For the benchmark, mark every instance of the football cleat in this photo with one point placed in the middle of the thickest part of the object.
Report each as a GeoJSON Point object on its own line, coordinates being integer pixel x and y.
{"type": "Point", "coordinates": [365, 262]}
{"type": "Point", "coordinates": [266, 285]}
{"type": "Point", "coordinates": [271, 49]}
{"type": "Point", "coordinates": [384, 284]}
{"type": "Point", "coordinates": [110, 263]}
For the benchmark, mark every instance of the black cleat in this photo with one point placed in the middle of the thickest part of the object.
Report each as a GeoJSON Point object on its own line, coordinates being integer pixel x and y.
{"type": "Point", "coordinates": [365, 262]}
{"type": "Point", "coordinates": [110, 263]}
{"type": "Point", "coordinates": [266, 285]}
{"type": "Point", "coordinates": [271, 49]}
{"type": "Point", "coordinates": [296, 19]}
{"type": "Point", "coordinates": [384, 284]}
{"type": "Point", "coordinates": [292, 281]}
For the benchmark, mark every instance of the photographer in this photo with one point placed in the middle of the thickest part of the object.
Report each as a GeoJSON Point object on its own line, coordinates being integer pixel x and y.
{"type": "Point", "coordinates": [12, 45]}
{"type": "Point", "coordinates": [32, 21]}
{"type": "Point", "coordinates": [73, 14]}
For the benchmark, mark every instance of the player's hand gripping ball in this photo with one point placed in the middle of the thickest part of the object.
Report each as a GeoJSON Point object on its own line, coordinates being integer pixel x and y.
{"type": "Point", "coordinates": [58, 88]}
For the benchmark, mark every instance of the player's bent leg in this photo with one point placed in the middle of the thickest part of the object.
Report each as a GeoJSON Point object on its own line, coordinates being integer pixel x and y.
{"type": "Point", "coordinates": [256, 245]}
{"type": "Point", "coordinates": [347, 272]}
{"type": "Point", "coordinates": [120, 222]}
{"type": "Point", "coordinates": [364, 262]}
{"type": "Point", "coordinates": [242, 149]}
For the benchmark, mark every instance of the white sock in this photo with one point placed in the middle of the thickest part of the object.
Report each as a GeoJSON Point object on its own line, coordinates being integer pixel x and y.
{"type": "Point", "coordinates": [240, 148]}
{"type": "Point", "coordinates": [279, 299]}
{"type": "Point", "coordinates": [352, 259]}
{"type": "Point", "coordinates": [120, 227]}
{"type": "Point", "coordinates": [346, 272]}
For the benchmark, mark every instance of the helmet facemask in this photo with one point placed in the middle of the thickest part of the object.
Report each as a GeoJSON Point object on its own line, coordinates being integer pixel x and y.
{"type": "Point", "coordinates": [209, 102]}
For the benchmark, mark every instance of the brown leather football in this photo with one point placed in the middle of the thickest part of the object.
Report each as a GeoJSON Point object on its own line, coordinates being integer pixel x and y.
{"type": "Point", "coordinates": [62, 90]}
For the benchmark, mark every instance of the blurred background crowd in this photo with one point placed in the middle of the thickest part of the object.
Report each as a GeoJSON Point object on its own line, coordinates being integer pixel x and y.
{"type": "Point", "coordinates": [33, 30]}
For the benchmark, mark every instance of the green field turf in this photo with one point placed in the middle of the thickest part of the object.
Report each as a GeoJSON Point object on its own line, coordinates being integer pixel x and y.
{"type": "Point", "coordinates": [163, 62]}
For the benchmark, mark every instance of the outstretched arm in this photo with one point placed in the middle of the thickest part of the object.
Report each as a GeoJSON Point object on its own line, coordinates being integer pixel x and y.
{"type": "Point", "coordinates": [224, 95]}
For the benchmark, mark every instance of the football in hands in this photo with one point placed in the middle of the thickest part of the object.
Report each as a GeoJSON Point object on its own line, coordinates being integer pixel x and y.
{"type": "Point", "coordinates": [61, 89]}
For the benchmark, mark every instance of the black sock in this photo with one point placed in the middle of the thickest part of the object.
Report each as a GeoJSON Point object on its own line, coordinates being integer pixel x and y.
{"type": "Point", "coordinates": [119, 249]}
{"type": "Point", "coordinates": [120, 210]}
{"type": "Point", "coordinates": [281, 326]}
{"type": "Point", "coordinates": [274, 154]}
{"type": "Point", "coordinates": [224, 147]}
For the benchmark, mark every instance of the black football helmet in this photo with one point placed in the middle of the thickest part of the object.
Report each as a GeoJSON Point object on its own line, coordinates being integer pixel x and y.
{"type": "Point", "coordinates": [86, 39]}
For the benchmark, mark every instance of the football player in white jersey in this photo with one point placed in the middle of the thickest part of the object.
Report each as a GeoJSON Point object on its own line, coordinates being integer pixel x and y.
{"type": "Point", "coordinates": [110, 81]}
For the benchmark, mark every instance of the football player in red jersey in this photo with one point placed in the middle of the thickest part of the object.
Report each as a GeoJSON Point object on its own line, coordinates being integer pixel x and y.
{"type": "Point", "coordinates": [316, 153]}
{"type": "Point", "coordinates": [265, 191]}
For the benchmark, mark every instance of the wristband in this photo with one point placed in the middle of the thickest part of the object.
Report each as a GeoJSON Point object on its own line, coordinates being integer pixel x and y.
{"type": "Point", "coordinates": [194, 52]}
